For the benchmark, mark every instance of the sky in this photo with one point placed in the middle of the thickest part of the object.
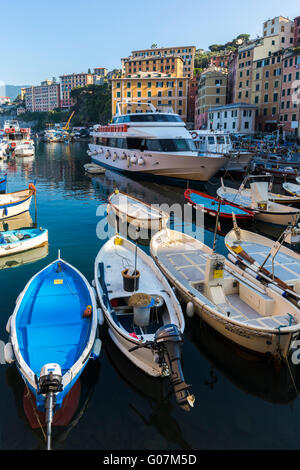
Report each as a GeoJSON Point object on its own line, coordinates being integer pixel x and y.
{"type": "Point", "coordinates": [41, 40]}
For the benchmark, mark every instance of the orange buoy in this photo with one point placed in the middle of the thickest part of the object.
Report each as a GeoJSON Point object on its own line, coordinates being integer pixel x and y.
{"type": "Point", "coordinates": [88, 312]}
{"type": "Point", "coordinates": [32, 188]}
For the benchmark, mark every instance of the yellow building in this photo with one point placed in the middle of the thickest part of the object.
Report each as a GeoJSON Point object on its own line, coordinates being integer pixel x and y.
{"type": "Point", "coordinates": [156, 88]}
{"type": "Point", "coordinates": [186, 53]}
{"type": "Point", "coordinates": [160, 81]}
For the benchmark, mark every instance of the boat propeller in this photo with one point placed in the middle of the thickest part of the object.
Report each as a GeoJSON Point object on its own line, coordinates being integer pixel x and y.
{"type": "Point", "coordinates": [167, 346]}
{"type": "Point", "coordinates": [49, 384]}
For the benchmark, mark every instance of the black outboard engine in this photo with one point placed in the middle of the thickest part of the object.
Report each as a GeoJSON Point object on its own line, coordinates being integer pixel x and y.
{"type": "Point", "coordinates": [169, 340]}
{"type": "Point", "coordinates": [49, 384]}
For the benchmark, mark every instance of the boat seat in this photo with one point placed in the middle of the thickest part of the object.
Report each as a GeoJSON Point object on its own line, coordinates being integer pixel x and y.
{"type": "Point", "coordinates": [273, 321]}
{"type": "Point", "coordinates": [58, 343]}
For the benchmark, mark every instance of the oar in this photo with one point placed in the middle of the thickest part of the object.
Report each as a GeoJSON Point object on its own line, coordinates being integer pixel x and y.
{"type": "Point", "coordinates": [243, 254]}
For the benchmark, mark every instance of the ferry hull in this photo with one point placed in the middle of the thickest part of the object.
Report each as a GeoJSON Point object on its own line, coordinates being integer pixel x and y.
{"type": "Point", "coordinates": [183, 167]}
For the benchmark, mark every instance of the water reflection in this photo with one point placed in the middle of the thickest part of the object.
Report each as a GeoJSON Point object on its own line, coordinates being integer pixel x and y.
{"type": "Point", "coordinates": [155, 391]}
{"type": "Point", "coordinates": [26, 257]}
{"type": "Point", "coordinates": [74, 405]}
{"type": "Point", "coordinates": [250, 373]}
{"type": "Point", "coordinates": [18, 222]}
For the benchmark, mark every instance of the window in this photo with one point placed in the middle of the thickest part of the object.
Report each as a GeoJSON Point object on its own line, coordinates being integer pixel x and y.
{"type": "Point", "coordinates": [266, 98]}
{"type": "Point", "coordinates": [128, 94]}
{"type": "Point", "coordinates": [118, 94]}
{"type": "Point", "coordinates": [139, 94]}
{"type": "Point", "coordinates": [128, 84]}
{"type": "Point", "coordinates": [149, 93]}
{"type": "Point", "coordinates": [180, 93]}
{"type": "Point", "coordinates": [118, 85]}
{"type": "Point", "coordinates": [246, 125]}
{"type": "Point", "coordinates": [139, 85]}
{"type": "Point", "coordinates": [257, 87]}
{"type": "Point", "coordinates": [275, 97]}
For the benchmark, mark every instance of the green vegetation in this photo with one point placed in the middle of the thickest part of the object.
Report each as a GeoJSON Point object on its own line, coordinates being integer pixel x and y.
{"type": "Point", "coordinates": [92, 104]}
{"type": "Point", "coordinates": [43, 119]}
{"type": "Point", "coordinates": [202, 58]}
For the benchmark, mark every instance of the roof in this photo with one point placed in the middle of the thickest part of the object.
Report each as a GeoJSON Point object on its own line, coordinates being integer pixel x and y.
{"type": "Point", "coordinates": [232, 106]}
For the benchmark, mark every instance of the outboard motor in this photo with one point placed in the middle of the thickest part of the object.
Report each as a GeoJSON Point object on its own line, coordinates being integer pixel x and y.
{"type": "Point", "coordinates": [169, 340]}
{"type": "Point", "coordinates": [50, 383]}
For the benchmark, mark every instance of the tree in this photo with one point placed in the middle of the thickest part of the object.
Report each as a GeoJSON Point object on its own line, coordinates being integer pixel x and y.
{"type": "Point", "coordinates": [154, 46]}
{"type": "Point", "coordinates": [92, 104]}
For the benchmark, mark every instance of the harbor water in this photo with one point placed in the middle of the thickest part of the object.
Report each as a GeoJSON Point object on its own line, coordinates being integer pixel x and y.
{"type": "Point", "coordinates": [242, 401]}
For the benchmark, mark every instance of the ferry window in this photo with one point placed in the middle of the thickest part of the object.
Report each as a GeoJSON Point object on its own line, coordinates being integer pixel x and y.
{"type": "Point", "coordinates": [220, 139]}
{"type": "Point", "coordinates": [211, 140]}
{"type": "Point", "coordinates": [153, 145]}
{"type": "Point", "coordinates": [133, 143]}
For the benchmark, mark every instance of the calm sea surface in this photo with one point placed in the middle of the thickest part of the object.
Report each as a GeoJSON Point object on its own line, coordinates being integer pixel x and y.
{"type": "Point", "coordinates": [242, 402]}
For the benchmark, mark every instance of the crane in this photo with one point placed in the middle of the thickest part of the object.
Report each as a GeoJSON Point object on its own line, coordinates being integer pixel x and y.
{"type": "Point", "coordinates": [67, 126]}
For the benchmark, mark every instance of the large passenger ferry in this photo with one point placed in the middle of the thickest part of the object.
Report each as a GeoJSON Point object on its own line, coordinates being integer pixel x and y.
{"type": "Point", "coordinates": [151, 141]}
{"type": "Point", "coordinates": [18, 139]}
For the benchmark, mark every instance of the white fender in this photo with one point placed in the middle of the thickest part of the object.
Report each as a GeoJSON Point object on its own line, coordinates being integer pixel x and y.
{"type": "Point", "coordinates": [93, 283]}
{"type": "Point", "coordinates": [190, 309]}
{"type": "Point", "coordinates": [9, 354]}
{"type": "Point", "coordinates": [133, 159]}
{"type": "Point", "coordinates": [100, 316]}
{"type": "Point", "coordinates": [107, 154]}
{"type": "Point", "coordinates": [141, 161]}
{"type": "Point", "coordinates": [123, 156]}
{"type": "Point", "coordinates": [115, 156]}
{"type": "Point", "coordinates": [8, 325]}
{"type": "Point", "coordinates": [96, 349]}
{"type": "Point", "coordinates": [95, 152]}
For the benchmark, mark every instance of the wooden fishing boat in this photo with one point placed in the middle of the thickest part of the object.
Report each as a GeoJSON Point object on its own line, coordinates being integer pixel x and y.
{"type": "Point", "coordinates": [236, 305]}
{"type": "Point", "coordinates": [257, 200]}
{"type": "Point", "coordinates": [16, 241]}
{"type": "Point", "coordinates": [3, 183]}
{"type": "Point", "coordinates": [15, 203]}
{"type": "Point", "coordinates": [210, 205]}
{"type": "Point", "coordinates": [278, 171]}
{"type": "Point", "coordinates": [136, 212]}
{"type": "Point", "coordinates": [242, 196]}
{"type": "Point", "coordinates": [271, 262]}
{"type": "Point", "coordinates": [144, 317]}
{"type": "Point", "coordinates": [293, 189]}
{"type": "Point", "coordinates": [93, 168]}
{"type": "Point", "coordinates": [53, 334]}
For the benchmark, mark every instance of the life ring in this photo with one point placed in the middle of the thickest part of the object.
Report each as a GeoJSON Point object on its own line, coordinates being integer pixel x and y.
{"type": "Point", "coordinates": [32, 188]}
{"type": "Point", "coordinates": [194, 135]}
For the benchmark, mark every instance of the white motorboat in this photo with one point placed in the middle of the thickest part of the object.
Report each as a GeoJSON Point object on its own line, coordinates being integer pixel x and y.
{"type": "Point", "coordinates": [18, 139]}
{"type": "Point", "coordinates": [144, 317]}
{"type": "Point", "coordinates": [136, 212]}
{"type": "Point", "coordinates": [217, 142]}
{"type": "Point", "coordinates": [257, 200]}
{"type": "Point", "coordinates": [235, 304]}
{"type": "Point", "coordinates": [151, 143]}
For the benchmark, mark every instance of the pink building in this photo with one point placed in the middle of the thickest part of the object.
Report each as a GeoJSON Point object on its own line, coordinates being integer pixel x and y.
{"type": "Point", "coordinates": [297, 31]}
{"type": "Point", "coordinates": [44, 97]}
{"type": "Point", "coordinates": [290, 94]}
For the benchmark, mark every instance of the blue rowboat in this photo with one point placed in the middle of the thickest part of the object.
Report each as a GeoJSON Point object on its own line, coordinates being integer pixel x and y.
{"type": "Point", "coordinates": [3, 183]}
{"type": "Point", "coordinates": [210, 205]}
{"type": "Point", "coordinates": [53, 333]}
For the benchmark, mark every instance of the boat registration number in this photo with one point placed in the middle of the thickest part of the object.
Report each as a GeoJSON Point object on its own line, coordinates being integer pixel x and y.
{"type": "Point", "coordinates": [58, 281]}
